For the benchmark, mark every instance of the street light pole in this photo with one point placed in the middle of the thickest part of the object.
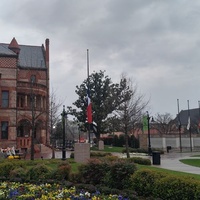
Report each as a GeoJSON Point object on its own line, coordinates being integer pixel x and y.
{"type": "Point", "coordinates": [149, 138]}
{"type": "Point", "coordinates": [63, 114]}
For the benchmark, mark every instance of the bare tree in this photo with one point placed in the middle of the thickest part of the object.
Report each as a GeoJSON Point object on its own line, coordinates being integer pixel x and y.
{"type": "Point", "coordinates": [131, 109]}
{"type": "Point", "coordinates": [55, 104]}
{"type": "Point", "coordinates": [33, 118]}
{"type": "Point", "coordinates": [164, 123]}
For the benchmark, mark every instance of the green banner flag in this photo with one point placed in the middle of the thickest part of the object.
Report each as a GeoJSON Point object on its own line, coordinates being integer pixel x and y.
{"type": "Point", "coordinates": [145, 123]}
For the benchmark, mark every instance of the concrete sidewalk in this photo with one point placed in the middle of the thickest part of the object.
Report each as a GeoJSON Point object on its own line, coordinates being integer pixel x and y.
{"type": "Point", "coordinates": [171, 161]}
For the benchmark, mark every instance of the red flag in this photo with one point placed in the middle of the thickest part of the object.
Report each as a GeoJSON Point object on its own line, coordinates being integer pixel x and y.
{"type": "Point", "coordinates": [89, 108]}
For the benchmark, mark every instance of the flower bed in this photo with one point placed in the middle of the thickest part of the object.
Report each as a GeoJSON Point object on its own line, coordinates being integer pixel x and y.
{"type": "Point", "coordinates": [28, 191]}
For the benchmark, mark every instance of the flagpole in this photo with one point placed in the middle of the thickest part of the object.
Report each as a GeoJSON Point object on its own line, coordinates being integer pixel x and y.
{"type": "Point", "coordinates": [179, 125]}
{"type": "Point", "coordinates": [88, 72]}
{"type": "Point", "coordinates": [88, 69]}
{"type": "Point", "coordinates": [189, 125]}
{"type": "Point", "coordinates": [199, 116]}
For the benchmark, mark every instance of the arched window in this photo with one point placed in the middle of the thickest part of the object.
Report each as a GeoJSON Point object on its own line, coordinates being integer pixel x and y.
{"type": "Point", "coordinates": [33, 79]}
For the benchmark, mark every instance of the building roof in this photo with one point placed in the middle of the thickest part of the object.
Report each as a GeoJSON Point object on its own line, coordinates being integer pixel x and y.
{"type": "Point", "coordinates": [193, 113]}
{"type": "Point", "coordinates": [29, 56]}
{"type": "Point", "coordinates": [5, 51]}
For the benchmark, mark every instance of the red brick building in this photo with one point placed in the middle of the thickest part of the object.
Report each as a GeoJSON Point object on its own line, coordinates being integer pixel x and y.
{"type": "Point", "coordinates": [24, 94]}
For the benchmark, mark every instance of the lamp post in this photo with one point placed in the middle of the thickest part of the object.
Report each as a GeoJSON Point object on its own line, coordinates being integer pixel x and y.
{"type": "Point", "coordinates": [149, 136]}
{"type": "Point", "coordinates": [64, 115]}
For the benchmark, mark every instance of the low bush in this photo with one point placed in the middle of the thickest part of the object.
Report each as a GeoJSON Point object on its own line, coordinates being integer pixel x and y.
{"type": "Point", "coordinates": [143, 181]}
{"type": "Point", "coordinates": [141, 161]}
{"type": "Point", "coordinates": [176, 188]}
{"type": "Point", "coordinates": [38, 172]}
{"type": "Point", "coordinates": [119, 173]}
{"type": "Point", "coordinates": [95, 154]}
{"type": "Point", "coordinates": [141, 150]}
{"type": "Point", "coordinates": [93, 171]}
{"type": "Point", "coordinates": [62, 172]}
{"type": "Point", "coordinates": [134, 150]}
{"type": "Point", "coordinates": [114, 173]}
{"type": "Point", "coordinates": [100, 154]}
{"type": "Point", "coordinates": [19, 174]}
{"type": "Point", "coordinates": [6, 168]}
{"type": "Point", "coordinates": [160, 185]}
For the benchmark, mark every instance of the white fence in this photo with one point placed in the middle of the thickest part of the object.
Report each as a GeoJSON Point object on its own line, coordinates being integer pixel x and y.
{"type": "Point", "coordinates": [174, 141]}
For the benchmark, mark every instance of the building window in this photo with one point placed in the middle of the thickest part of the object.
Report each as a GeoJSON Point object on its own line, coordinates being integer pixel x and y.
{"type": "Point", "coordinates": [21, 101]}
{"type": "Point", "coordinates": [33, 79]}
{"type": "Point", "coordinates": [5, 99]}
{"type": "Point", "coordinates": [4, 130]}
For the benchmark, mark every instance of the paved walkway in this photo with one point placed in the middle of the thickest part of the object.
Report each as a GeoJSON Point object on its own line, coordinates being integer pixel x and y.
{"type": "Point", "coordinates": [171, 161]}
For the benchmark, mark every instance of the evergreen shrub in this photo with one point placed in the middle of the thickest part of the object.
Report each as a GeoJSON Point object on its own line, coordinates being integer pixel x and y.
{"type": "Point", "coordinates": [141, 161]}
{"type": "Point", "coordinates": [18, 173]}
{"type": "Point", "coordinates": [5, 169]}
{"type": "Point", "coordinates": [143, 181]}
{"type": "Point", "coordinates": [176, 188]}
{"type": "Point", "coordinates": [38, 172]}
{"type": "Point", "coordinates": [160, 185]}
{"type": "Point", "coordinates": [93, 171]}
{"type": "Point", "coordinates": [119, 173]}
{"type": "Point", "coordinates": [62, 172]}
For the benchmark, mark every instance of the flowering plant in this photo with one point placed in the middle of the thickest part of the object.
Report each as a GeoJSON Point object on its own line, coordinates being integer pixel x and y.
{"type": "Point", "coordinates": [27, 191]}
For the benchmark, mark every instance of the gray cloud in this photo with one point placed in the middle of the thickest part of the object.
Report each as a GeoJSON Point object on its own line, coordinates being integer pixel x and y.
{"type": "Point", "coordinates": [154, 42]}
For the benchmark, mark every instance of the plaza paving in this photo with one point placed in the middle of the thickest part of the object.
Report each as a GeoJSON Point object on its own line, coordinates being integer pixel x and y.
{"type": "Point", "coordinates": [171, 161]}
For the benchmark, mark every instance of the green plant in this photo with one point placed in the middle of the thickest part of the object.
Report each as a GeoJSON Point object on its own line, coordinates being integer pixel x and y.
{"type": "Point", "coordinates": [141, 161]}
{"type": "Point", "coordinates": [143, 181]}
{"type": "Point", "coordinates": [93, 171]}
{"type": "Point", "coordinates": [63, 171]}
{"type": "Point", "coordinates": [18, 174]}
{"type": "Point", "coordinates": [119, 173]}
{"type": "Point", "coordinates": [100, 154]}
{"type": "Point", "coordinates": [175, 188]}
{"type": "Point", "coordinates": [5, 169]}
{"type": "Point", "coordinates": [38, 172]}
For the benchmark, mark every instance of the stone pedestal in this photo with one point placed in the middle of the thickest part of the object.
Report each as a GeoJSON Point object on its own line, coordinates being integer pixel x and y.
{"type": "Point", "coordinates": [81, 152]}
{"type": "Point", "coordinates": [101, 145]}
{"type": "Point", "coordinates": [143, 140]}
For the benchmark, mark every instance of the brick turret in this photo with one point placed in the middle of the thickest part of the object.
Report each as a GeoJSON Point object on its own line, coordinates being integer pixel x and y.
{"type": "Point", "coordinates": [14, 46]}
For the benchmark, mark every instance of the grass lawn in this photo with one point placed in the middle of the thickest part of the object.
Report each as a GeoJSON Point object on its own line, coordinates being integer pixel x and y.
{"type": "Point", "coordinates": [192, 162]}
{"type": "Point", "coordinates": [176, 173]}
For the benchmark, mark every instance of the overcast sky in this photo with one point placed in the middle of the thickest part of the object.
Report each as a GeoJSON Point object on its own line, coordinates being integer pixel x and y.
{"type": "Point", "coordinates": [155, 42]}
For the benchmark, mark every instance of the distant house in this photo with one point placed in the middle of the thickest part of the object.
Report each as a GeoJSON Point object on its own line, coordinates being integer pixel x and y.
{"type": "Point", "coordinates": [194, 120]}
{"type": "Point", "coordinates": [24, 94]}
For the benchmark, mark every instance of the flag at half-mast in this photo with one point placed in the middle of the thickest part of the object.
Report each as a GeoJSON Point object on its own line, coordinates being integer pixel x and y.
{"type": "Point", "coordinates": [188, 125]}
{"type": "Point", "coordinates": [89, 107]}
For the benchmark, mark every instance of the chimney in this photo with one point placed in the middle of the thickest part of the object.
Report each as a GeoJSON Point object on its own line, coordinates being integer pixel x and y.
{"type": "Point", "coordinates": [47, 49]}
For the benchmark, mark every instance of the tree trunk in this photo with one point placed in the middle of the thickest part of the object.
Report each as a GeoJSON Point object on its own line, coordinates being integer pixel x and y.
{"type": "Point", "coordinates": [126, 143]}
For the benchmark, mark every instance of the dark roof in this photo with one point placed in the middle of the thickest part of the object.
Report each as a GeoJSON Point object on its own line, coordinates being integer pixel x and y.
{"type": "Point", "coordinates": [29, 56]}
{"type": "Point", "coordinates": [5, 51]}
{"type": "Point", "coordinates": [193, 113]}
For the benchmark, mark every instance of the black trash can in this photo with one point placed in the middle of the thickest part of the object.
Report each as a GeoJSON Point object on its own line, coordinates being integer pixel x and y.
{"type": "Point", "coordinates": [156, 157]}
